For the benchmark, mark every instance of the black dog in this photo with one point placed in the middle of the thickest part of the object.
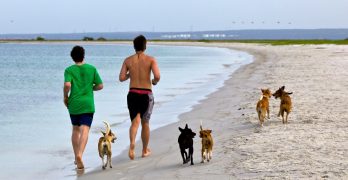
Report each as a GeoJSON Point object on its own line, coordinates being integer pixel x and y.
{"type": "Point", "coordinates": [185, 141]}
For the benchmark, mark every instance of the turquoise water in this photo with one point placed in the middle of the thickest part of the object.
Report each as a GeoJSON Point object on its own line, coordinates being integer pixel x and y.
{"type": "Point", "coordinates": [35, 126]}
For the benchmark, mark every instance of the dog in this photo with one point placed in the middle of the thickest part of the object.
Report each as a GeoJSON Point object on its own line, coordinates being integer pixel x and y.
{"type": "Point", "coordinates": [104, 145]}
{"type": "Point", "coordinates": [262, 106]}
{"type": "Point", "coordinates": [285, 103]}
{"type": "Point", "coordinates": [185, 141]}
{"type": "Point", "coordinates": [207, 143]}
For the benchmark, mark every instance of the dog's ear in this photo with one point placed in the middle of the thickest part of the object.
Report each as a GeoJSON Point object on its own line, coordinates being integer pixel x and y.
{"type": "Point", "coordinates": [282, 88]}
{"type": "Point", "coordinates": [110, 132]}
{"type": "Point", "coordinates": [103, 133]}
{"type": "Point", "coordinates": [209, 131]}
{"type": "Point", "coordinates": [262, 90]}
{"type": "Point", "coordinates": [289, 93]}
{"type": "Point", "coordinates": [186, 127]}
{"type": "Point", "coordinates": [180, 129]}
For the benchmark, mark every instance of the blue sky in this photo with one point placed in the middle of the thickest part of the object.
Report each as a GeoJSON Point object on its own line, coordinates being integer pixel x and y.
{"type": "Point", "coordinates": [67, 16]}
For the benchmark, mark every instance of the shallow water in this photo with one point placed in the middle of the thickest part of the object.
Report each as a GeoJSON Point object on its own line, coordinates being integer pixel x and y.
{"type": "Point", "coordinates": [35, 126]}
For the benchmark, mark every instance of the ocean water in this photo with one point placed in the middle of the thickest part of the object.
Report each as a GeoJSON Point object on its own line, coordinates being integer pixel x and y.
{"type": "Point", "coordinates": [35, 127]}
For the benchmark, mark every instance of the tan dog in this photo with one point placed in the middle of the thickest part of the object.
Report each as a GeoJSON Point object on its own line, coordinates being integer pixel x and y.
{"type": "Point", "coordinates": [207, 144]}
{"type": "Point", "coordinates": [104, 145]}
{"type": "Point", "coordinates": [285, 103]}
{"type": "Point", "coordinates": [262, 106]}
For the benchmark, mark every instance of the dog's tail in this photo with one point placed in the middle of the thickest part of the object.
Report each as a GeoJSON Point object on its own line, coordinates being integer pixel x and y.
{"type": "Point", "coordinates": [201, 126]}
{"type": "Point", "coordinates": [107, 127]}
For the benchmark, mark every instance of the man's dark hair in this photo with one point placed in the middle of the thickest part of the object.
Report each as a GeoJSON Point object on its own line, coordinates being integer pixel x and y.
{"type": "Point", "coordinates": [77, 54]}
{"type": "Point", "coordinates": [139, 43]}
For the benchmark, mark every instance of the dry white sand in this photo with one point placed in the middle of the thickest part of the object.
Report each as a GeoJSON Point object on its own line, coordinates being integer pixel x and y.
{"type": "Point", "coordinates": [313, 145]}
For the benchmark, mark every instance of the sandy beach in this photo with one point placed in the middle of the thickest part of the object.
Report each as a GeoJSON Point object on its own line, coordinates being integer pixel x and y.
{"type": "Point", "coordinates": [314, 145]}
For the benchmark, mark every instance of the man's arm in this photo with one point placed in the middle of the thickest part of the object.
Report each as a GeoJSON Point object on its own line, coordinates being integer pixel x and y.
{"type": "Point", "coordinates": [156, 72]}
{"type": "Point", "coordinates": [66, 90]}
{"type": "Point", "coordinates": [124, 75]}
{"type": "Point", "coordinates": [98, 87]}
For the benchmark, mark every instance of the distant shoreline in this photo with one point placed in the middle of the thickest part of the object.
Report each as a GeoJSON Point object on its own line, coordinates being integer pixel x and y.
{"type": "Point", "coordinates": [271, 42]}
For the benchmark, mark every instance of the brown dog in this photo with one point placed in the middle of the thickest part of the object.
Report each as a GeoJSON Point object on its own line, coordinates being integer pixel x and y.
{"type": "Point", "coordinates": [262, 106]}
{"type": "Point", "coordinates": [207, 143]}
{"type": "Point", "coordinates": [104, 145]}
{"type": "Point", "coordinates": [285, 103]}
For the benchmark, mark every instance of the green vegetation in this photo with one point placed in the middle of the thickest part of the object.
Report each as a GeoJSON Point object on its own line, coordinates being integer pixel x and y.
{"type": "Point", "coordinates": [282, 42]}
{"type": "Point", "coordinates": [39, 38]}
{"type": "Point", "coordinates": [101, 39]}
{"type": "Point", "coordinates": [88, 39]}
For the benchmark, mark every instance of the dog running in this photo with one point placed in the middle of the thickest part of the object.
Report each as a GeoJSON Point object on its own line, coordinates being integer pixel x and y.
{"type": "Point", "coordinates": [185, 141]}
{"type": "Point", "coordinates": [262, 106]}
{"type": "Point", "coordinates": [104, 145]}
{"type": "Point", "coordinates": [207, 143]}
{"type": "Point", "coordinates": [285, 103]}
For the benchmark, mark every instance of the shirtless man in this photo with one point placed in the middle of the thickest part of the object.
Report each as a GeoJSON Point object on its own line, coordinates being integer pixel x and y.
{"type": "Point", "coordinates": [138, 68]}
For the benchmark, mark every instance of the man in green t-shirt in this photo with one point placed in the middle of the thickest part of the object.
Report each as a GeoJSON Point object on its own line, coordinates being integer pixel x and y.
{"type": "Point", "coordinates": [80, 80]}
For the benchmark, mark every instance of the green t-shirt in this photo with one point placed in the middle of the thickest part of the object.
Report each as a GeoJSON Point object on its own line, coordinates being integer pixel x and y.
{"type": "Point", "coordinates": [82, 78]}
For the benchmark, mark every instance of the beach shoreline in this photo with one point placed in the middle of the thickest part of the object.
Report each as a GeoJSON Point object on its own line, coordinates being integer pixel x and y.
{"type": "Point", "coordinates": [242, 149]}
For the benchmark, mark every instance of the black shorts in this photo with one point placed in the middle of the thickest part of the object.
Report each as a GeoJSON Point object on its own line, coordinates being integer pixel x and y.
{"type": "Point", "coordinates": [81, 119]}
{"type": "Point", "coordinates": [140, 101]}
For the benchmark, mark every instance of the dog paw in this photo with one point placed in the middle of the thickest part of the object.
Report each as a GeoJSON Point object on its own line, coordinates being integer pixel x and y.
{"type": "Point", "coordinates": [202, 161]}
{"type": "Point", "coordinates": [192, 163]}
{"type": "Point", "coordinates": [208, 160]}
{"type": "Point", "coordinates": [110, 166]}
{"type": "Point", "coordinates": [103, 167]}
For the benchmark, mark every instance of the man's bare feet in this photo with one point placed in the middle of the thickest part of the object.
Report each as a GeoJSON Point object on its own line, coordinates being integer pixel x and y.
{"type": "Point", "coordinates": [146, 153]}
{"type": "Point", "coordinates": [79, 163]}
{"type": "Point", "coordinates": [131, 151]}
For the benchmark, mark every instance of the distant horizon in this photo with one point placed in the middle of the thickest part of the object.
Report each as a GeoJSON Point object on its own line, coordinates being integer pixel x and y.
{"type": "Point", "coordinates": [195, 31]}
{"type": "Point", "coordinates": [331, 34]}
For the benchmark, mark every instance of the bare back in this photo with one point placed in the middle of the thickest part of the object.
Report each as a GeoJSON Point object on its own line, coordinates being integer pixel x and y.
{"type": "Point", "coordinates": [139, 67]}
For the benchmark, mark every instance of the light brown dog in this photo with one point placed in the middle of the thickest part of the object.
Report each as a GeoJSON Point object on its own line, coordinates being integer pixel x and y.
{"type": "Point", "coordinates": [262, 106]}
{"type": "Point", "coordinates": [207, 144]}
{"type": "Point", "coordinates": [285, 103]}
{"type": "Point", "coordinates": [104, 145]}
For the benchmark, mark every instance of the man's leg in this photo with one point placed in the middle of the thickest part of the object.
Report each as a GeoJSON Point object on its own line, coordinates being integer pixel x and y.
{"type": "Point", "coordinates": [75, 137]}
{"type": "Point", "coordinates": [84, 131]}
{"type": "Point", "coordinates": [132, 134]}
{"type": "Point", "coordinates": [145, 136]}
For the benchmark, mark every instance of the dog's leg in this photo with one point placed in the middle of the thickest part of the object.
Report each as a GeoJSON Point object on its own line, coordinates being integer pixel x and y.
{"type": "Point", "coordinates": [208, 155]}
{"type": "Point", "coordinates": [211, 154]}
{"type": "Point", "coordinates": [202, 155]}
{"type": "Point", "coordinates": [183, 153]}
{"type": "Point", "coordinates": [109, 158]}
{"type": "Point", "coordinates": [268, 112]}
{"type": "Point", "coordinates": [107, 161]}
{"type": "Point", "coordinates": [103, 166]}
{"type": "Point", "coordinates": [280, 109]}
{"type": "Point", "coordinates": [287, 114]}
{"type": "Point", "coordinates": [191, 154]}
{"type": "Point", "coordinates": [261, 121]}
{"type": "Point", "coordinates": [187, 156]}
{"type": "Point", "coordinates": [282, 113]}
{"type": "Point", "coordinates": [258, 114]}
